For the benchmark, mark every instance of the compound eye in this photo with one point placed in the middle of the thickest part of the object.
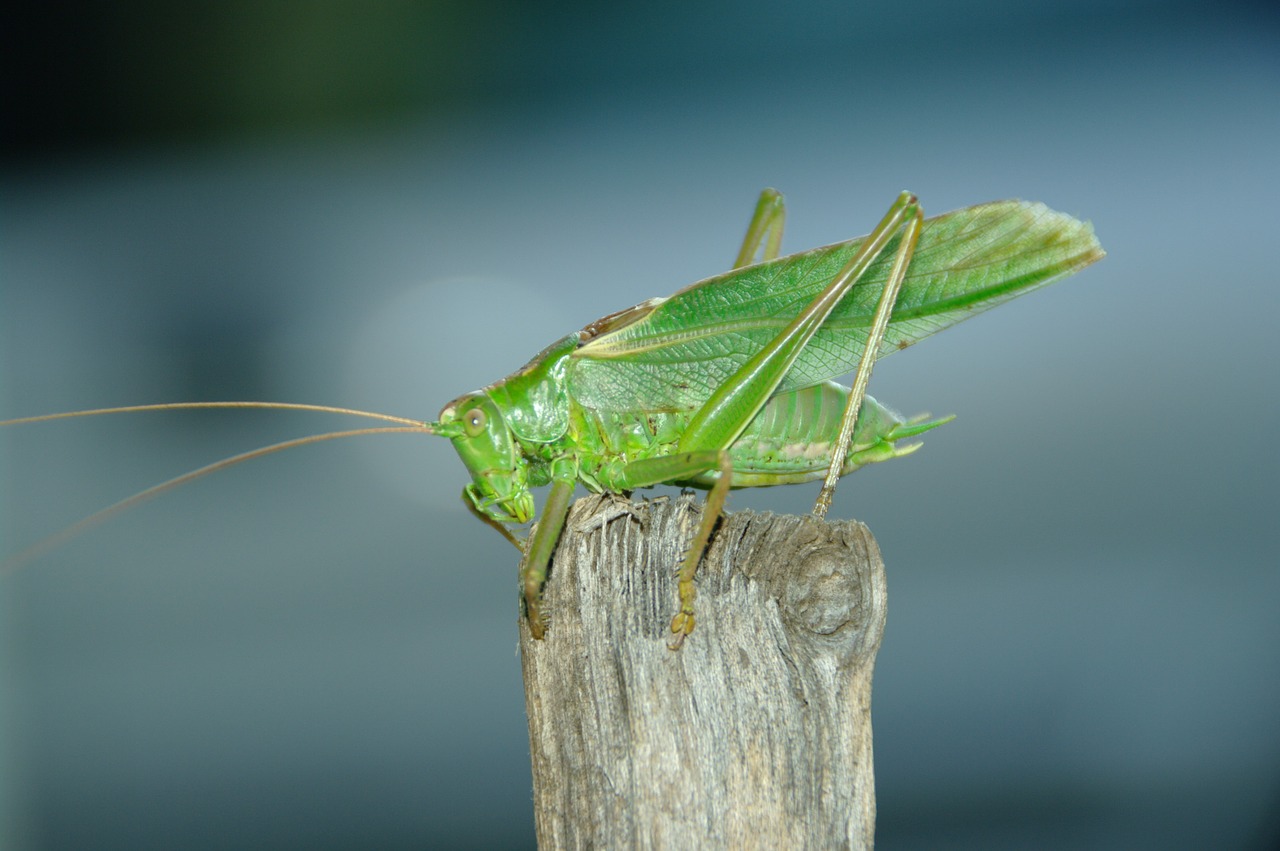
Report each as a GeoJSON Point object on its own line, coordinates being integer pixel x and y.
{"type": "Point", "coordinates": [474, 421]}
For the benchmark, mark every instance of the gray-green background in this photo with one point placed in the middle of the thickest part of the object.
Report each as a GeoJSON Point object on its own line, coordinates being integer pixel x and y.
{"type": "Point", "coordinates": [383, 205]}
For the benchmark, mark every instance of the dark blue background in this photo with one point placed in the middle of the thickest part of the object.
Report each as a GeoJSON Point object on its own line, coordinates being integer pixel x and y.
{"type": "Point", "coordinates": [384, 205]}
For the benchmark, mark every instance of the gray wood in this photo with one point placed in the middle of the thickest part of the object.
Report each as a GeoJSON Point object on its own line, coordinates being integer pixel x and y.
{"type": "Point", "coordinates": [756, 734]}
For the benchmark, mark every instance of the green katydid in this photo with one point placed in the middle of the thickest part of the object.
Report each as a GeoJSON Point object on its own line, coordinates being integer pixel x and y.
{"type": "Point", "coordinates": [728, 382]}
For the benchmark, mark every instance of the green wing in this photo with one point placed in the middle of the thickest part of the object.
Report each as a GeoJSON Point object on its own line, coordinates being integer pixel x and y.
{"type": "Point", "coordinates": [672, 357]}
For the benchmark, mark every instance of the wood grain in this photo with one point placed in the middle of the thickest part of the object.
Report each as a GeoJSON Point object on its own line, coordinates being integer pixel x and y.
{"type": "Point", "coordinates": [756, 734]}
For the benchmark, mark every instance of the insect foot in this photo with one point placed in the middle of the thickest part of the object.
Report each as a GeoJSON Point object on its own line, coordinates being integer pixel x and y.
{"type": "Point", "coordinates": [537, 626]}
{"type": "Point", "coordinates": [682, 624]}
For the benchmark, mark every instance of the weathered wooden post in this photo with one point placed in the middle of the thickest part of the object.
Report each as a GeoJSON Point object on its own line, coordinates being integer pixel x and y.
{"type": "Point", "coordinates": [756, 734]}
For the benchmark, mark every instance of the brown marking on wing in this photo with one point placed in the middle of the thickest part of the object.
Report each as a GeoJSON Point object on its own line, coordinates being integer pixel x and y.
{"type": "Point", "coordinates": [620, 319]}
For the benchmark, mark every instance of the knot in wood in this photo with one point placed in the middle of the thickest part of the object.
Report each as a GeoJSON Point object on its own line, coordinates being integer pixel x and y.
{"type": "Point", "coordinates": [823, 595]}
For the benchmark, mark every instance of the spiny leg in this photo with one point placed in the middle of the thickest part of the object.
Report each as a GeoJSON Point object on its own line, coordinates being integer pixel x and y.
{"type": "Point", "coordinates": [682, 624]}
{"type": "Point", "coordinates": [879, 325]}
{"type": "Point", "coordinates": [681, 467]}
{"type": "Point", "coordinates": [542, 543]}
{"type": "Point", "coordinates": [764, 229]}
{"type": "Point", "coordinates": [726, 413]}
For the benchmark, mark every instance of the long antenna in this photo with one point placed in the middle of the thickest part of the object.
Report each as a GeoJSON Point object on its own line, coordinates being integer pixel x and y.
{"type": "Point", "coordinates": [187, 406]}
{"type": "Point", "coordinates": [44, 545]}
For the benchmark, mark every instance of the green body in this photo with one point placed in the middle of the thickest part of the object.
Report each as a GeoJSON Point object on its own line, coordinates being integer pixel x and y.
{"type": "Point", "coordinates": [788, 441]}
{"type": "Point", "coordinates": [728, 383]}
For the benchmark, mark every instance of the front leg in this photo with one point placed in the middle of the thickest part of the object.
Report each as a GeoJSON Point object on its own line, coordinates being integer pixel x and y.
{"type": "Point", "coordinates": [542, 543]}
{"type": "Point", "coordinates": [469, 500]}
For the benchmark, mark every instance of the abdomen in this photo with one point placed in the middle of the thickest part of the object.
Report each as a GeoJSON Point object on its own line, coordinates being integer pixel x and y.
{"type": "Point", "coordinates": [790, 439]}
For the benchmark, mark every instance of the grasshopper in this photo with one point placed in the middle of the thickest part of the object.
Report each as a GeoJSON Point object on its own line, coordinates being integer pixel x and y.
{"type": "Point", "coordinates": [727, 383]}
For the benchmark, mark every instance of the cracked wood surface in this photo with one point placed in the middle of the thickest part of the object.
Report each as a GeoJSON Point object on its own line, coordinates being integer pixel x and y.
{"type": "Point", "coordinates": [756, 734]}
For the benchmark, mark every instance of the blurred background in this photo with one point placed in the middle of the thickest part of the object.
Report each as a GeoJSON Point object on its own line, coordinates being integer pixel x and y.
{"type": "Point", "coordinates": [385, 204]}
